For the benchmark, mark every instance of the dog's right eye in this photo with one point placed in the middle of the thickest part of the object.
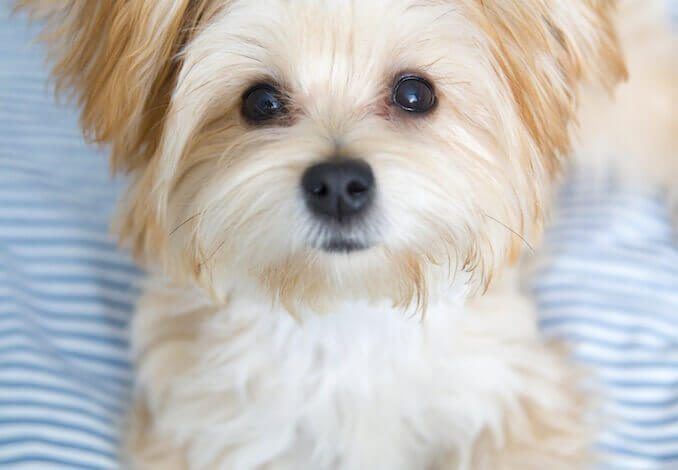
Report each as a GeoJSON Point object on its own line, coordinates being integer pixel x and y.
{"type": "Point", "coordinates": [262, 103]}
{"type": "Point", "coordinates": [414, 94]}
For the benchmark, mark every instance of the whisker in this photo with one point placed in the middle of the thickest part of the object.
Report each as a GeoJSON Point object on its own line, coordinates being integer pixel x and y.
{"type": "Point", "coordinates": [233, 228]}
{"type": "Point", "coordinates": [525, 242]}
{"type": "Point", "coordinates": [214, 253]}
{"type": "Point", "coordinates": [187, 221]}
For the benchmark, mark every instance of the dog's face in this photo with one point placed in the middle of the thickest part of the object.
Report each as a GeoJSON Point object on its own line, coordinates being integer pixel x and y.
{"type": "Point", "coordinates": [334, 149]}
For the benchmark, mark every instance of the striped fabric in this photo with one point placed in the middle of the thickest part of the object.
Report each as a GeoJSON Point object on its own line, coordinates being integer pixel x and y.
{"type": "Point", "coordinates": [66, 294]}
{"type": "Point", "coordinates": [608, 285]}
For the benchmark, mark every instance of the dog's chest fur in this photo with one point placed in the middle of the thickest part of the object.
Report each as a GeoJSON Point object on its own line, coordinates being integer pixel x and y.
{"type": "Point", "coordinates": [362, 387]}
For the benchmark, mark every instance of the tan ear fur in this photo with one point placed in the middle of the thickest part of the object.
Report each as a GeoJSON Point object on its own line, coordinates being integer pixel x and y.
{"type": "Point", "coordinates": [119, 58]}
{"type": "Point", "coordinates": [544, 49]}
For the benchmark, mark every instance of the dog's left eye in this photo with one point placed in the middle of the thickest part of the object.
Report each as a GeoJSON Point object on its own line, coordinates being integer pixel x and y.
{"type": "Point", "coordinates": [262, 103]}
{"type": "Point", "coordinates": [414, 94]}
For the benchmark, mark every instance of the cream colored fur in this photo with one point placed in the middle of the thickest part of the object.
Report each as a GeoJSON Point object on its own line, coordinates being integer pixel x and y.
{"type": "Point", "coordinates": [247, 386]}
{"type": "Point", "coordinates": [255, 350]}
{"type": "Point", "coordinates": [633, 133]}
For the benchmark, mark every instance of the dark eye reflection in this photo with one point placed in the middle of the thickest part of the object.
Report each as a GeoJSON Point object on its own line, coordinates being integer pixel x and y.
{"type": "Point", "coordinates": [414, 94]}
{"type": "Point", "coordinates": [262, 103]}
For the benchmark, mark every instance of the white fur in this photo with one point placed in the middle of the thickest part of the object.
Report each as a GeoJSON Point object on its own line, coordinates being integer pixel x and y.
{"type": "Point", "coordinates": [365, 387]}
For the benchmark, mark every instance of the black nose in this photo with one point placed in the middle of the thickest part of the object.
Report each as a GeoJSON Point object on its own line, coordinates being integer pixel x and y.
{"type": "Point", "coordinates": [338, 189]}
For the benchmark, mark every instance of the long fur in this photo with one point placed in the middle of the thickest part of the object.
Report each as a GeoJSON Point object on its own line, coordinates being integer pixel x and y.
{"type": "Point", "coordinates": [256, 350]}
{"type": "Point", "coordinates": [633, 133]}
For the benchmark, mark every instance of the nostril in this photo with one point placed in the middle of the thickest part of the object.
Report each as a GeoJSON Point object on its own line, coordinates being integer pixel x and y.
{"type": "Point", "coordinates": [320, 190]}
{"type": "Point", "coordinates": [318, 183]}
{"type": "Point", "coordinates": [356, 188]}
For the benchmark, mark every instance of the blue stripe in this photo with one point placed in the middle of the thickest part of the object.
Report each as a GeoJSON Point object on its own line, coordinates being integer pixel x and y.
{"type": "Point", "coordinates": [97, 300]}
{"type": "Point", "coordinates": [668, 439]}
{"type": "Point", "coordinates": [60, 223]}
{"type": "Point", "coordinates": [28, 439]}
{"type": "Point", "coordinates": [607, 290]}
{"type": "Point", "coordinates": [84, 261]}
{"type": "Point", "coordinates": [14, 201]}
{"type": "Point", "coordinates": [106, 421]}
{"type": "Point", "coordinates": [634, 330]}
{"type": "Point", "coordinates": [27, 387]}
{"type": "Point", "coordinates": [60, 424]}
{"type": "Point", "coordinates": [59, 242]}
{"type": "Point", "coordinates": [93, 318]}
{"type": "Point", "coordinates": [101, 380]}
{"type": "Point", "coordinates": [618, 346]}
{"type": "Point", "coordinates": [652, 423]}
{"type": "Point", "coordinates": [655, 456]}
{"type": "Point", "coordinates": [46, 332]}
{"type": "Point", "coordinates": [610, 364]}
{"type": "Point", "coordinates": [657, 287]}
{"type": "Point", "coordinates": [669, 385]}
{"type": "Point", "coordinates": [96, 359]}
{"type": "Point", "coordinates": [80, 280]}
{"type": "Point", "coordinates": [608, 306]}
{"type": "Point", "coordinates": [42, 459]}
{"type": "Point", "coordinates": [649, 404]}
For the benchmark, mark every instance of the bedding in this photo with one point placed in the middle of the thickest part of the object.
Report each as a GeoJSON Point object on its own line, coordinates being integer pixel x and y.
{"type": "Point", "coordinates": [607, 285]}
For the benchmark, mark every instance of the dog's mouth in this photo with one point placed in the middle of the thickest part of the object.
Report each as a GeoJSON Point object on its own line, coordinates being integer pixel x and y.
{"type": "Point", "coordinates": [343, 240]}
{"type": "Point", "coordinates": [344, 245]}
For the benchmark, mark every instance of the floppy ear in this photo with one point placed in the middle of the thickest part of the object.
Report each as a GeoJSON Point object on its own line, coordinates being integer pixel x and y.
{"type": "Point", "coordinates": [119, 58]}
{"type": "Point", "coordinates": [544, 49]}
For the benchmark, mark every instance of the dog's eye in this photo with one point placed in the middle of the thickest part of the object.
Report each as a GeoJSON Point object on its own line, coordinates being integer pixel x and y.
{"type": "Point", "coordinates": [414, 94]}
{"type": "Point", "coordinates": [262, 103]}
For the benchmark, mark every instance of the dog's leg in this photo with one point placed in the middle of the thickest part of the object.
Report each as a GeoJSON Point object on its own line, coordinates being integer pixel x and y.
{"type": "Point", "coordinates": [538, 436]}
{"type": "Point", "coordinates": [162, 339]}
{"type": "Point", "coordinates": [543, 420]}
{"type": "Point", "coordinates": [144, 448]}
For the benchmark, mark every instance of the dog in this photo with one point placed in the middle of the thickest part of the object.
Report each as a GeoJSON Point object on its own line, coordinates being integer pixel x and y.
{"type": "Point", "coordinates": [331, 199]}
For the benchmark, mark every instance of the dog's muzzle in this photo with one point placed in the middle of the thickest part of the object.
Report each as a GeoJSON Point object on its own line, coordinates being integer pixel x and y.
{"type": "Point", "coordinates": [339, 192]}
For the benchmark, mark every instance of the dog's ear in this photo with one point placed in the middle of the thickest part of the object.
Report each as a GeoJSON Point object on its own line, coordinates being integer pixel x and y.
{"type": "Point", "coordinates": [119, 58]}
{"type": "Point", "coordinates": [544, 49]}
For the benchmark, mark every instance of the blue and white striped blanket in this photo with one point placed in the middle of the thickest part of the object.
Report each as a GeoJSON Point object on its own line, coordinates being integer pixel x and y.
{"type": "Point", "coordinates": [609, 286]}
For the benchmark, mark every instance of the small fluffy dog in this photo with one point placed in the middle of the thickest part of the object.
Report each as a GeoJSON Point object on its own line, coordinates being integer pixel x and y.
{"type": "Point", "coordinates": [331, 197]}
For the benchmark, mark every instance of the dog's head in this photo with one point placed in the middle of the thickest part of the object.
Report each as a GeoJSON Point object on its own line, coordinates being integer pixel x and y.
{"type": "Point", "coordinates": [329, 149]}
